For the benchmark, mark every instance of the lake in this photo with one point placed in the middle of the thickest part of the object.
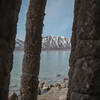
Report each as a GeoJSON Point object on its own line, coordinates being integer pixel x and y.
{"type": "Point", "coordinates": [52, 63]}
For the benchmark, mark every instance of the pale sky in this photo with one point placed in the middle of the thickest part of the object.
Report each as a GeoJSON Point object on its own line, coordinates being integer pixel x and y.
{"type": "Point", "coordinates": [57, 22]}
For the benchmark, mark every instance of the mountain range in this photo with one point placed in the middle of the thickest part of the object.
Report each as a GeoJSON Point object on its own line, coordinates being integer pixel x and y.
{"type": "Point", "coordinates": [49, 43]}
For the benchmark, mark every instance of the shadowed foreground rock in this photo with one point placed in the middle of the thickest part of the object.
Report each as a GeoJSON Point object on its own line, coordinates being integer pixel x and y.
{"type": "Point", "coordinates": [13, 96]}
{"type": "Point", "coordinates": [31, 61]}
{"type": "Point", "coordinates": [9, 10]}
{"type": "Point", "coordinates": [84, 75]}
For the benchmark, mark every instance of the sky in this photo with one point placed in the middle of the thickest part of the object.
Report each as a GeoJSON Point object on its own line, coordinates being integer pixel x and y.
{"type": "Point", "coordinates": [57, 22]}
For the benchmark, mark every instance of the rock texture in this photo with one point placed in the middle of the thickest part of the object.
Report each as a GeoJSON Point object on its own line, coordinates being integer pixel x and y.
{"type": "Point", "coordinates": [84, 75]}
{"type": "Point", "coordinates": [13, 96]}
{"type": "Point", "coordinates": [54, 94]}
{"type": "Point", "coordinates": [9, 10]}
{"type": "Point", "coordinates": [31, 61]}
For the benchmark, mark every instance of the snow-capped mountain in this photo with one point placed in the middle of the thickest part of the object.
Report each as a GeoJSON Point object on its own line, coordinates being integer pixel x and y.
{"type": "Point", "coordinates": [54, 42]}
{"type": "Point", "coordinates": [49, 43]}
{"type": "Point", "coordinates": [19, 44]}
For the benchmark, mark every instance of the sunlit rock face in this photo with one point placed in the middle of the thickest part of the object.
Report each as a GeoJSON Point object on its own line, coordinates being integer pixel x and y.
{"type": "Point", "coordinates": [49, 43]}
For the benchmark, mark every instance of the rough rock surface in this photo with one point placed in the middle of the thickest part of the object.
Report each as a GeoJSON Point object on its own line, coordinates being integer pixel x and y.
{"type": "Point", "coordinates": [13, 96]}
{"type": "Point", "coordinates": [32, 50]}
{"type": "Point", "coordinates": [54, 94]}
{"type": "Point", "coordinates": [84, 75]}
{"type": "Point", "coordinates": [9, 10]}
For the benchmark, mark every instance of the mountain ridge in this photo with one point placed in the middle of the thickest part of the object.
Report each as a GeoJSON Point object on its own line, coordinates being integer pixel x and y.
{"type": "Point", "coordinates": [49, 43]}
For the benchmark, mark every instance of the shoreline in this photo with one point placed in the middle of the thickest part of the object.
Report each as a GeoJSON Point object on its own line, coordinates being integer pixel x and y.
{"type": "Point", "coordinates": [54, 91]}
{"type": "Point", "coordinates": [22, 49]}
{"type": "Point", "coordinates": [44, 82]}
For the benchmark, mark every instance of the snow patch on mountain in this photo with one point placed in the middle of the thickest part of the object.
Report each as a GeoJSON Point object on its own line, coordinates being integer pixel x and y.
{"type": "Point", "coordinates": [56, 42]}
{"type": "Point", "coordinates": [49, 42]}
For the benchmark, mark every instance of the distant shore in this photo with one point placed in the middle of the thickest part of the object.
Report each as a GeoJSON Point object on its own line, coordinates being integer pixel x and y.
{"type": "Point", "coordinates": [68, 49]}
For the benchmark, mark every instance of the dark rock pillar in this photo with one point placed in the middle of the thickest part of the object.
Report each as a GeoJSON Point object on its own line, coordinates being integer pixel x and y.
{"type": "Point", "coordinates": [31, 61]}
{"type": "Point", "coordinates": [84, 74]}
{"type": "Point", "coordinates": [9, 10]}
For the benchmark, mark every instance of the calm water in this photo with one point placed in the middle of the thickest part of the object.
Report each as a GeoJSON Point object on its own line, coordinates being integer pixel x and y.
{"type": "Point", "coordinates": [51, 64]}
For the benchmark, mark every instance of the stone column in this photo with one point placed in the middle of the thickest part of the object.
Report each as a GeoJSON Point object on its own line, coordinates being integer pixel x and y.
{"type": "Point", "coordinates": [84, 74]}
{"type": "Point", "coordinates": [31, 61]}
{"type": "Point", "coordinates": [9, 10]}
